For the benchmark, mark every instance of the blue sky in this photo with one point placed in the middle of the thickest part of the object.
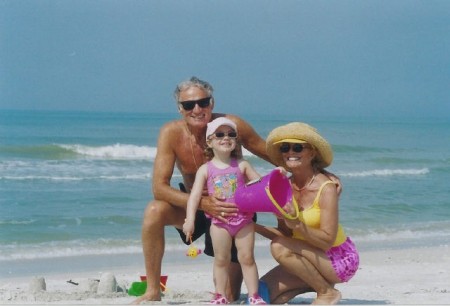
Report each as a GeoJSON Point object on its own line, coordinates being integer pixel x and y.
{"type": "Point", "coordinates": [355, 58]}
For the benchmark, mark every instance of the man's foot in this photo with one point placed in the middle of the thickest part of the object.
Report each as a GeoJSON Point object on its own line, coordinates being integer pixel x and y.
{"type": "Point", "coordinates": [219, 299]}
{"type": "Point", "coordinates": [147, 297]}
{"type": "Point", "coordinates": [332, 297]}
{"type": "Point", "coordinates": [255, 299]}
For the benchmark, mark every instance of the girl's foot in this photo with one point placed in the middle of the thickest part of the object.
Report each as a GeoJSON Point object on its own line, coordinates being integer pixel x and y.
{"type": "Point", "coordinates": [219, 299]}
{"type": "Point", "coordinates": [255, 299]}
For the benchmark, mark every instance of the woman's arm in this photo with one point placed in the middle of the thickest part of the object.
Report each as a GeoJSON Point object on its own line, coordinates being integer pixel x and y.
{"type": "Point", "coordinates": [271, 232]}
{"type": "Point", "coordinates": [324, 236]}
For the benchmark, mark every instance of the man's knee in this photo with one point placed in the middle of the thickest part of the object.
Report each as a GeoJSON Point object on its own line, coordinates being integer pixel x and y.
{"type": "Point", "coordinates": [154, 214]}
{"type": "Point", "coordinates": [161, 213]}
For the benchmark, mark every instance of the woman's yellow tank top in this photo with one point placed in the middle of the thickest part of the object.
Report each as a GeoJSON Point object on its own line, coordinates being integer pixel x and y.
{"type": "Point", "coordinates": [311, 217]}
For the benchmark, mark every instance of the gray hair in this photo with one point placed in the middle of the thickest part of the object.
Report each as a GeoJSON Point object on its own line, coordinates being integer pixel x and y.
{"type": "Point", "coordinates": [192, 82]}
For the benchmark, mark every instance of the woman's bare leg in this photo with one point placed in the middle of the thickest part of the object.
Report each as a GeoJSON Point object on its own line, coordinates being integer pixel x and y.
{"type": "Point", "coordinates": [310, 264]}
{"type": "Point", "coordinates": [284, 286]}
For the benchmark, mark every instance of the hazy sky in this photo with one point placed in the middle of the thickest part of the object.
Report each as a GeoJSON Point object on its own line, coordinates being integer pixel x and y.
{"type": "Point", "coordinates": [278, 57]}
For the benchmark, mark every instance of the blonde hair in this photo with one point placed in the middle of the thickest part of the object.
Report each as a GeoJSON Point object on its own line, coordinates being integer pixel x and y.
{"type": "Point", "coordinates": [236, 153]}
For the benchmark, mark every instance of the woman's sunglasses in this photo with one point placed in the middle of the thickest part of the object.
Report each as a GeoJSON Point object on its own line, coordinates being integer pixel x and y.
{"type": "Point", "coordinates": [220, 135]}
{"type": "Point", "coordinates": [189, 105]}
{"type": "Point", "coordinates": [296, 147]}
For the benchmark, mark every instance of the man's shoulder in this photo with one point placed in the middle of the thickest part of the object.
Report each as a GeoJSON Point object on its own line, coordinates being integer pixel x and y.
{"type": "Point", "coordinates": [171, 130]}
{"type": "Point", "coordinates": [172, 125]}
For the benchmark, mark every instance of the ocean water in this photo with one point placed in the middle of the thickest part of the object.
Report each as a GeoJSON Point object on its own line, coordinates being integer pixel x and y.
{"type": "Point", "coordinates": [75, 184]}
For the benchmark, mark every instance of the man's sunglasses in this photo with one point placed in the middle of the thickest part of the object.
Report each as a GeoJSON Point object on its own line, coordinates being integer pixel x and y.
{"type": "Point", "coordinates": [220, 135]}
{"type": "Point", "coordinates": [296, 147]}
{"type": "Point", "coordinates": [189, 105]}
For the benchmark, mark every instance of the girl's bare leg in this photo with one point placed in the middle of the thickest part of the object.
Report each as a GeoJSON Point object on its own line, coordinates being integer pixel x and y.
{"type": "Point", "coordinates": [221, 241]}
{"type": "Point", "coordinates": [245, 244]}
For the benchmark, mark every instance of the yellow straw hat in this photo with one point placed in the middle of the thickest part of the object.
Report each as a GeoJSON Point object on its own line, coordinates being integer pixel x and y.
{"type": "Point", "coordinates": [298, 132]}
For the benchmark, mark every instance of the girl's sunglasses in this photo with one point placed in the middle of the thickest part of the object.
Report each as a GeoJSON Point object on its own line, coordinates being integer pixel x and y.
{"type": "Point", "coordinates": [220, 135]}
{"type": "Point", "coordinates": [189, 105]}
{"type": "Point", "coordinates": [296, 147]}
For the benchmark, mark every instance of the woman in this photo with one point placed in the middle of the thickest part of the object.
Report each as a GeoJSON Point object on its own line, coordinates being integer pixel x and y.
{"type": "Point", "coordinates": [312, 250]}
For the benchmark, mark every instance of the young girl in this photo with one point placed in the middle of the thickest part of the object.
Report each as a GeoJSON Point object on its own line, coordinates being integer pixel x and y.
{"type": "Point", "coordinates": [223, 174]}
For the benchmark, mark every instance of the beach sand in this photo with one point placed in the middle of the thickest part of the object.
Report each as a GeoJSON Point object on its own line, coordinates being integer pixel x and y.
{"type": "Point", "coordinates": [405, 276]}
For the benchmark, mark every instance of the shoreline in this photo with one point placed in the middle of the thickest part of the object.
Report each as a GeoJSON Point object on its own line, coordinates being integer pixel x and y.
{"type": "Point", "coordinates": [417, 275]}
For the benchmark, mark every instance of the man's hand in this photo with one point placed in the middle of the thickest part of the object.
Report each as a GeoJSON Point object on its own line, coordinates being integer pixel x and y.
{"type": "Point", "coordinates": [218, 208]}
{"type": "Point", "coordinates": [335, 180]}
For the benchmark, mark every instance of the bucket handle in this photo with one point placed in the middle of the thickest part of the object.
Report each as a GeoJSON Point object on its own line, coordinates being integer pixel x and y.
{"type": "Point", "coordinates": [280, 209]}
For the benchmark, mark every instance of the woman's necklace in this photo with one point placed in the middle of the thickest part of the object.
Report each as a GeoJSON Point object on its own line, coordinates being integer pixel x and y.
{"type": "Point", "coordinates": [306, 185]}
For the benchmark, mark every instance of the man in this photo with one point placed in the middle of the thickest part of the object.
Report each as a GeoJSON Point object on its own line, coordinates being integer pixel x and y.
{"type": "Point", "coordinates": [181, 143]}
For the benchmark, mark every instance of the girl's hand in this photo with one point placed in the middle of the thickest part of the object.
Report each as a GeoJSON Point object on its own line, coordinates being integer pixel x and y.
{"type": "Point", "coordinates": [188, 229]}
{"type": "Point", "coordinates": [282, 170]}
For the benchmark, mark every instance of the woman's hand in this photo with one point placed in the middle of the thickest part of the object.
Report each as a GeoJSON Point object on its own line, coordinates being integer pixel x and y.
{"type": "Point", "coordinates": [290, 209]}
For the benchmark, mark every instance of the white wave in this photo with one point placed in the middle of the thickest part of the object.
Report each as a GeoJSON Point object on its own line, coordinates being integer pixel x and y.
{"type": "Point", "coordinates": [121, 151]}
{"type": "Point", "coordinates": [387, 172]}
{"type": "Point", "coordinates": [246, 152]}
{"type": "Point", "coordinates": [116, 151]}
{"type": "Point", "coordinates": [41, 177]}
{"type": "Point", "coordinates": [143, 176]}
{"type": "Point", "coordinates": [413, 231]}
{"type": "Point", "coordinates": [16, 222]}
{"type": "Point", "coordinates": [68, 249]}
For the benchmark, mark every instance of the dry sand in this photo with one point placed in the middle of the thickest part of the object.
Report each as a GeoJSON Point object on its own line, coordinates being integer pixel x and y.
{"type": "Point", "coordinates": [419, 276]}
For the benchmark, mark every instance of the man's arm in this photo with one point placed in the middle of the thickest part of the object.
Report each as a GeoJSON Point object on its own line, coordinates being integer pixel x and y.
{"type": "Point", "coordinates": [249, 138]}
{"type": "Point", "coordinates": [163, 168]}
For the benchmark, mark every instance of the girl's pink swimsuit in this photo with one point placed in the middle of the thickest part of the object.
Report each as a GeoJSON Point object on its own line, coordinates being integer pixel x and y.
{"type": "Point", "coordinates": [222, 183]}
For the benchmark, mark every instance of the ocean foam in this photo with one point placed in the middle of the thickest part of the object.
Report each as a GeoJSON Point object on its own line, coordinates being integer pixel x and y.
{"type": "Point", "coordinates": [116, 151]}
{"type": "Point", "coordinates": [386, 172]}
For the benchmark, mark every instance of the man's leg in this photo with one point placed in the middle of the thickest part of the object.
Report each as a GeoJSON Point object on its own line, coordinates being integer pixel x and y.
{"type": "Point", "coordinates": [234, 281]}
{"type": "Point", "coordinates": [157, 215]}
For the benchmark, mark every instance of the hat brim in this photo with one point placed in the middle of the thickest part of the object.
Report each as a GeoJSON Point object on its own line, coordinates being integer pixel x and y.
{"type": "Point", "coordinates": [290, 140]}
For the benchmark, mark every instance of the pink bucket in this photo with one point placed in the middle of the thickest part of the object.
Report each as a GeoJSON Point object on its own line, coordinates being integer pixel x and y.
{"type": "Point", "coordinates": [268, 194]}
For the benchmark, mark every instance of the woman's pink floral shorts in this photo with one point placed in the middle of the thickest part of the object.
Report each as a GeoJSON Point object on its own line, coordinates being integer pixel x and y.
{"type": "Point", "coordinates": [345, 260]}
